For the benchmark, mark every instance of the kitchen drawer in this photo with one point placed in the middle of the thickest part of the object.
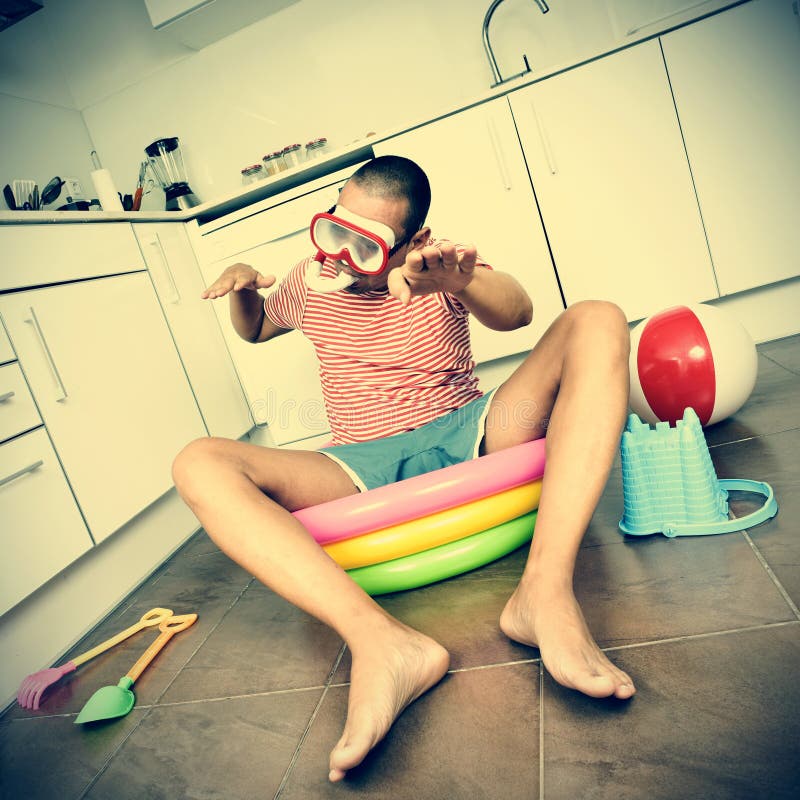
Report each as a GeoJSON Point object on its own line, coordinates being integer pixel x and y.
{"type": "Point", "coordinates": [18, 412]}
{"type": "Point", "coordinates": [271, 225]}
{"type": "Point", "coordinates": [43, 530]}
{"type": "Point", "coordinates": [36, 255]}
{"type": "Point", "coordinates": [6, 350]}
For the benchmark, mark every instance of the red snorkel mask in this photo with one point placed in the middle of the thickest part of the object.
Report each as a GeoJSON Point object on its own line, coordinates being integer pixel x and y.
{"type": "Point", "coordinates": [363, 244]}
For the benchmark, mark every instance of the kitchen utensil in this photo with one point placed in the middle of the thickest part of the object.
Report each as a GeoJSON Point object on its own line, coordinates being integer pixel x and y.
{"type": "Point", "coordinates": [35, 200]}
{"type": "Point", "coordinates": [8, 194]}
{"type": "Point", "coordinates": [137, 196]}
{"type": "Point", "coordinates": [32, 688]}
{"type": "Point", "coordinates": [51, 191]}
{"type": "Point", "coordinates": [23, 193]}
{"type": "Point", "coordinates": [167, 164]}
{"type": "Point", "coordinates": [116, 701]}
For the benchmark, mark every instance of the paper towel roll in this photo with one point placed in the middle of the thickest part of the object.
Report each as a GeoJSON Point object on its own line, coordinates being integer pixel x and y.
{"type": "Point", "coordinates": [106, 191]}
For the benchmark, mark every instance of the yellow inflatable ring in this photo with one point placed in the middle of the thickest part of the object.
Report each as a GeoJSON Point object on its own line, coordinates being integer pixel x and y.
{"type": "Point", "coordinates": [433, 530]}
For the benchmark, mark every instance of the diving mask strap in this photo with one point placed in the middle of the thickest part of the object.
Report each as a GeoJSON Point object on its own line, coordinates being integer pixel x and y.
{"type": "Point", "coordinates": [317, 283]}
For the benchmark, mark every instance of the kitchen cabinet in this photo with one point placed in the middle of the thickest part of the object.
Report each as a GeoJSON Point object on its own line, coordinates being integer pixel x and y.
{"type": "Point", "coordinates": [280, 377]}
{"type": "Point", "coordinates": [43, 530]}
{"type": "Point", "coordinates": [605, 154]}
{"type": "Point", "coordinates": [735, 81]}
{"type": "Point", "coordinates": [17, 409]}
{"type": "Point", "coordinates": [110, 388]}
{"type": "Point", "coordinates": [37, 255]}
{"type": "Point", "coordinates": [6, 350]}
{"type": "Point", "coordinates": [481, 194]}
{"type": "Point", "coordinates": [176, 276]}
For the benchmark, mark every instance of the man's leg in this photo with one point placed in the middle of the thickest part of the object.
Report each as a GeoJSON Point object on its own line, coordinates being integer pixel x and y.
{"type": "Point", "coordinates": [243, 496]}
{"type": "Point", "coordinates": [574, 387]}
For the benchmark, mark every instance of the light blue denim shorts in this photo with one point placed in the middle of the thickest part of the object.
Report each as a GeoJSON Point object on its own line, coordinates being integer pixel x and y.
{"type": "Point", "coordinates": [449, 439]}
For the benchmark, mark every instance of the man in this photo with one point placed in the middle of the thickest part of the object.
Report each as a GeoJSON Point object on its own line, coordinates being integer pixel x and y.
{"type": "Point", "coordinates": [386, 307]}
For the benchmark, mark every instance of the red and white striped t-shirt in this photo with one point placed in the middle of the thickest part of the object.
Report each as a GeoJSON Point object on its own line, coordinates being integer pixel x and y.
{"type": "Point", "coordinates": [384, 367]}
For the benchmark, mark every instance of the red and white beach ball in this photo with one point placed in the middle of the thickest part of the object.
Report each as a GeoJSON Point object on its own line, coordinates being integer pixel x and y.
{"type": "Point", "coordinates": [693, 356]}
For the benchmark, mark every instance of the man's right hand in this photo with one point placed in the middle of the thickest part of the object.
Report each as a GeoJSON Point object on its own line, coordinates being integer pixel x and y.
{"type": "Point", "coordinates": [235, 278]}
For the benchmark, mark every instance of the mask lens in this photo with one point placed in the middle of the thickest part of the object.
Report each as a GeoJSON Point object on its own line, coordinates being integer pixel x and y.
{"type": "Point", "coordinates": [336, 240]}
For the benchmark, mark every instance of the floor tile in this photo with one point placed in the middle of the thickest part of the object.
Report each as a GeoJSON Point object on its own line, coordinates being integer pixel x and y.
{"type": "Point", "coordinates": [713, 718]}
{"type": "Point", "coordinates": [632, 591]}
{"type": "Point", "coordinates": [263, 644]}
{"type": "Point", "coordinates": [207, 585]}
{"type": "Point", "coordinates": [475, 735]}
{"type": "Point", "coordinates": [776, 460]}
{"type": "Point", "coordinates": [657, 588]}
{"type": "Point", "coordinates": [773, 406]}
{"type": "Point", "coordinates": [235, 749]}
{"type": "Point", "coordinates": [200, 544]}
{"type": "Point", "coordinates": [43, 759]}
{"type": "Point", "coordinates": [785, 352]}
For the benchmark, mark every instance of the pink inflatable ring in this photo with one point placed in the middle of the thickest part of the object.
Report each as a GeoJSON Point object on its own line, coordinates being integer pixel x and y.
{"type": "Point", "coordinates": [424, 494]}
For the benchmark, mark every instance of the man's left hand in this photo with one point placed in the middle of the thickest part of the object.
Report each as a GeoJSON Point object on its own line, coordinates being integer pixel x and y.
{"type": "Point", "coordinates": [433, 269]}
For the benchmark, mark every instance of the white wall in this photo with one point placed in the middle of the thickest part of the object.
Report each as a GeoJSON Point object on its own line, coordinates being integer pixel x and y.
{"type": "Point", "coordinates": [41, 141]}
{"type": "Point", "coordinates": [42, 132]}
{"type": "Point", "coordinates": [312, 69]}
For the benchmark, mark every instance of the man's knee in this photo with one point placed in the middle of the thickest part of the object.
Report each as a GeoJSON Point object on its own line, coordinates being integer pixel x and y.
{"type": "Point", "coordinates": [602, 320]}
{"type": "Point", "coordinates": [193, 461]}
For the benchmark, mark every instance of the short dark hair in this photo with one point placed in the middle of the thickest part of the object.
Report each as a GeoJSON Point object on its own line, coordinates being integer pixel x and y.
{"type": "Point", "coordinates": [398, 178]}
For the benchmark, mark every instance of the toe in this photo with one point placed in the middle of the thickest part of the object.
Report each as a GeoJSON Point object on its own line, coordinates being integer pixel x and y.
{"type": "Point", "coordinates": [349, 752]}
{"type": "Point", "coordinates": [625, 690]}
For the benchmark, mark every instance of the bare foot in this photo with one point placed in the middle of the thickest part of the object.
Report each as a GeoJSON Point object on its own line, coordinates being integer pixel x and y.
{"type": "Point", "coordinates": [384, 681]}
{"type": "Point", "coordinates": [552, 620]}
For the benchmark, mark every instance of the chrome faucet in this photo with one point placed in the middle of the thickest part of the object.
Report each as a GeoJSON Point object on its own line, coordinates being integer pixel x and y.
{"type": "Point", "coordinates": [498, 79]}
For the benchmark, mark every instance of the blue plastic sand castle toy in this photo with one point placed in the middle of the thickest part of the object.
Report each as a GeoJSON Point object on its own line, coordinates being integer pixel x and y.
{"type": "Point", "coordinates": [670, 486]}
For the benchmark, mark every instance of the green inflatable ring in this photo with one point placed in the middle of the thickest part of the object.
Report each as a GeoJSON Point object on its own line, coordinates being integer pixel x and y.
{"type": "Point", "coordinates": [447, 560]}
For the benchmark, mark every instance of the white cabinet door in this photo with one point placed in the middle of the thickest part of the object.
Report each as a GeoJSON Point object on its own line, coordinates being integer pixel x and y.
{"type": "Point", "coordinates": [736, 80]}
{"type": "Point", "coordinates": [42, 530]}
{"type": "Point", "coordinates": [201, 346]}
{"type": "Point", "coordinates": [113, 394]}
{"type": "Point", "coordinates": [481, 194]}
{"type": "Point", "coordinates": [610, 173]}
{"type": "Point", "coordinates": [280, 377]}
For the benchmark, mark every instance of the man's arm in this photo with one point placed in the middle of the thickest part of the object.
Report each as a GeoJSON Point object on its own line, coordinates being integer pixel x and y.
{"type": "Point", "coordinates": [241, 283]}
{"type": "Point", "coordinates": [495, 298]}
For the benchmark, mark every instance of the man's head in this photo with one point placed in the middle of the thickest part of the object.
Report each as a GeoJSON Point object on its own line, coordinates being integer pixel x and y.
{"type": "Point", "coordinates": [394, 192]}
{"type": "Point", "coordinates": [401, 180]}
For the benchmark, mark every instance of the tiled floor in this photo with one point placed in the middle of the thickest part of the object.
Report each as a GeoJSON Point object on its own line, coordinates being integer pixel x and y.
{"type": "Point", "coordinates": [248, 702]}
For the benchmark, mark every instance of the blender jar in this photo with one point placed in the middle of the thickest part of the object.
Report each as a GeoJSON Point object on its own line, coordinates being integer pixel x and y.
{"type": "Point", "coordinates": [166, 162]}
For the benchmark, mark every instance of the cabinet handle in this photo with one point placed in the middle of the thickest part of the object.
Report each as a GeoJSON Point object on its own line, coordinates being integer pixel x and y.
{"type": "Point", "coordinates": [302, 229]}
{"type": "Point", "coordinates": [4, 398]}
{"type": "Point", "coordinates": [24, 471]}
{"type": "Point", "coordinates": [176, 295]}
{"type": "Point", "coordinates": [498, 154]}
{"type": "Point", "coordinates": [48, 355]}
{"type": "Point", "coordinates": [548, 152]}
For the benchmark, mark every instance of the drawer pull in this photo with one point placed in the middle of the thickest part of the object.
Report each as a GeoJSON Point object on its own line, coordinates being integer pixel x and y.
{"type": "Point", "coordinates": [20, 473]}
{"type": "Point", "coordinates": [38, 328]}
{"type": "Point", "coordinates": [4, 398]}
{"type": "Point", "coordinates": [498, 154]}
{"type": "Point", "coordinates": [176, 295]}
{"type": "Point", "coordinates": [548, 152]}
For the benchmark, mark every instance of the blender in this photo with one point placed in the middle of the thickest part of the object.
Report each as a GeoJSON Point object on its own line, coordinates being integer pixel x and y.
{"type": "Point", "coordinates": [167, 164]}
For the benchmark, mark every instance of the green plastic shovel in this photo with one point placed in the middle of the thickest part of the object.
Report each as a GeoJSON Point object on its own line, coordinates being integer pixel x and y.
{"type": "Point", "coordinates": [116, 701]}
